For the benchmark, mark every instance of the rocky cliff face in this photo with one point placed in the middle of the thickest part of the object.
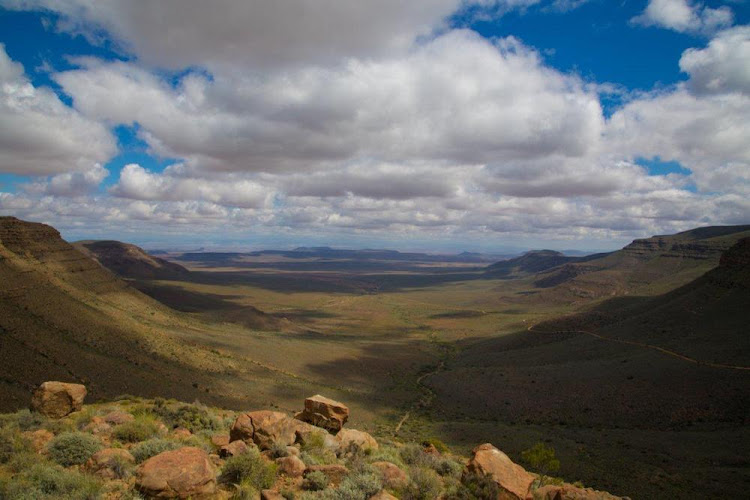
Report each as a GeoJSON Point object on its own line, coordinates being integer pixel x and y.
{"type": "Point", "coordinates": [130, 261]}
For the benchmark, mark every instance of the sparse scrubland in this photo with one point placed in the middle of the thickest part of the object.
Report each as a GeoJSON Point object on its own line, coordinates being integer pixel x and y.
{"type": "Point", "coordinates": [440, 352]}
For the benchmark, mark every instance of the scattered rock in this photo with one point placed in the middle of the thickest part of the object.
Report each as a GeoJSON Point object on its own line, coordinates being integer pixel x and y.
{"type": "Point", "coordinates": [181, 433]}
{"type": "Point", "coordinates": [291, 466]}
{"type": "Point", "coordinates": [271, 495]}
{"type": "Point", "coordinates": [354, 441]}
{"type": "Point", "coordinates": [220, 440]}
{"type": "Point", "coordinates": [383, 495]}
{"type": "Point", "coordinates": [512, 479]}
{"type": "Point", "coordinates": [184, 473]}
{"type": "Point", "coordinates": [323, 412]}
{"type": "Point", "coordinates": [334, 472]}
{"type": "Point", "coordinates": [39, 439]}
{"type": "Point", "coordinates": [97, 426]}
{"type": "Point", "coordinates": [104, 463]}
{"type": "Point", "coordinates": [58, 399]}
{"type": "Point", "coordinates": [233, 449]}
{"type": "Point", "coordinates": [264, 428]}
{"type": "Point", "coordinates": [570, 492]}
{"type": "Point", "coordinates": [118, 417]}
{"type": "Point", "coordinates": [393, 476]}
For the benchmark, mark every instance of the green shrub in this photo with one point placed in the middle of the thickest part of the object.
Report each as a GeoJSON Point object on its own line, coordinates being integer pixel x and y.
{"type": "Point", "coordinates": [44, 481]}
{"type": "Point", "coordinates": [195, 417]}
{"type": "Point", "coordinates": [474, 487]}
{"type": "Point", "coordinates": [413, 454]}
{"type": "Point", "coordinates": [73, 448]}
{"type": "Point", "coordinates": [140, 429]}
{"type": "Point", "coordinates": [278, 450]}
{"type": "Point", "coordinates": [438, 444]}
{"type": "Point", "coordinates": [315, 481]}
{"type": "Point", "coordinates": [28, 420]}
{"type": "Point", "coordinates": [542, 458]}
{"type": "Point", "coordinates": [147, 449]}
{"type": "Point", "coordinates": [11, 443]}
{"type": "Point", "coordinates": [447, 467]}
{"type": "Point", "coordinates": [249, 468]}
{"type": "Point", "coordinates": [424, 484]}
{"type": "Point", "coordinates": [356, 486]}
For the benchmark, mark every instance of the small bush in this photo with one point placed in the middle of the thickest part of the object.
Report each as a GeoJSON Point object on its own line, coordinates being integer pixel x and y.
{"type": "Point", "coordinates": [147, 449]}
{"type": "Point", "coordinates": [10, 444]}
{"type": "Point", "coordinates": [438, 444]}
{"type": "Point", "coordinates": [278, 450]}
{"type": "Point", "coordinates": [447, 467]}
{"type": "Point", "coordinates": [28, 420]}
{"type": "Point", "coordinates": [474, 487]}
{"type": "Point", "coordinates": [195, 417]}
{"type": "Point", "coordinates": [73, 448]}
{"type": "Point", "coordinates": [424, 484]}
{"type": "Point", "coordinates": [413, 454]}
{"type": "Point", "coordinates": [249, 468]}
{"type": "Point", "coordinates": [315, 481]}
{"type": "Point", "coordinates": [140, 429]}
{"type": "Point", "coordinates": [542, 458]}
{"type": "Point", "coordinates": [356, 486]}
{"type": "Point", "coordinates": [43, 481]}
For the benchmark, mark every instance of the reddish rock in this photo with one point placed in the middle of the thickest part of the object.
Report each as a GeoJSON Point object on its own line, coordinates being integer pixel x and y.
{"type": "Point", "coordinates": [393, 476]}
{"type": "Point", "coordinates": [220, 440]}
{"type": "Point", "coordinates": [271, 495]}
{"type": "Point", "coordinates": [39, 439]}
{"type": "Point", "coordinates": [184, 473]}
{"type": "Point", "coordinates": [97, 426]}
{"type": "Point", "coordinates": [323, 412]}
{"type": "Point", "coordinates": [104, 463]}
{"type": "Point", "coordinates": [181, 433]}
{"type": "Point", "coordinates": [353, 441]}
{"type": "Point", "coordinates": [291, 466]}
{"type": "Point", "coordinates": [570, 492]}
{"type": "Point", "coordinates": [512, 479]}
{"type": "Point", "coordinates": [57, 399]}
{"type": "Point", "coordinates": [334, 472]}
{"type": "Point", "coordinates": [383, 495]}
{"type": "Point", "coordinates": [264, 428]}
{"type": "Point", "coordinates": [233, 449]}
{"type": "Point", "coordinates": [118, 417]}
{"type": "Point", "coordinates": [431, 450]}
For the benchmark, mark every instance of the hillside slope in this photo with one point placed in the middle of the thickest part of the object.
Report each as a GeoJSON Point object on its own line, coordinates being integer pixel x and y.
{"type": "Point", "coordinates": [535, 261]}
{"type": "Point", "coordinates": [130, 261]}
{"type": "Point", "coordinates": [63, 316]}
{"type": "Point", "coordinates": [647, 266]}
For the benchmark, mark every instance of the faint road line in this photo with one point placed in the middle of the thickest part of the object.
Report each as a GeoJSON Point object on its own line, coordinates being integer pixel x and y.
{"type": "Point", "coordinates": [648, 346]}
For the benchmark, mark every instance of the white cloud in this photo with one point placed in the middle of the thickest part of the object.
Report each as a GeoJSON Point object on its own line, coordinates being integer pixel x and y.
{"type": "Point", "coordinates": [723, 66]}
{"type": "Point", "coordinates": [39, 134]}
{"type": "Point", "coordinates": [70, 183]}
{"type": "Point", "coordinates": [685, 16]}
{"type": "Point", "coordinates": [456, 99]}
{"type": "Point", "coordinates": [137, 183]}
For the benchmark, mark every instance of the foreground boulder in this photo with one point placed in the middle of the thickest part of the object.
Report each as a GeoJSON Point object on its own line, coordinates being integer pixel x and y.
{"type": "Point", "coordinates": [323, 412]}
{"type": "Point", "coordinates": [58, 399]}
{"type": "Point", "coordinates": [264, 428]}
{"type": "Point", "coordinates": [184, 473]}
{"type": "Point", "coordinates": [354, 441]}
{"type": "Point", "coordinates": [393, 476]}
{"type": "Point", "coordinates": [512, 479]}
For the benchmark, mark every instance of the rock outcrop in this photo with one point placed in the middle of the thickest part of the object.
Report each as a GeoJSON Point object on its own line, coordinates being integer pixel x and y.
{"type": "Point", "coordinates": [183, 473]}
{"type": "Point", "coordinates": [323, 412]}
{"type": "Point", "coordinates": [512, 480]}
{"type": "Point", "coordinates": [354, 441]}
{"type": "Point", "coordinates": [105, 463]}
{"type": "Point", "coordinates": [265, 428]}
{"type": "Point", "coordinates": [57, 399]}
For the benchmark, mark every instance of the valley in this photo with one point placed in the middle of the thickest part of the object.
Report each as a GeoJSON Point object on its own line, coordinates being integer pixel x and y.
{"type": "Point", "coordinates": [632, 365]}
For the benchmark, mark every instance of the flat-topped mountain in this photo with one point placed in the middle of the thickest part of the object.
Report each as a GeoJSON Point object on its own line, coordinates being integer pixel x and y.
{"type": "Point", "coordinates": [646, 266]}
{"type": "Point", "coordinates": [130, 261]}
{"type": "Point", "coordinates": [533, 262]}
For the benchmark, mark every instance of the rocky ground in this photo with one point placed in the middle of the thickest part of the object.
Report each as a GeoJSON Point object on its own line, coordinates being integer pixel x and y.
{"type": "Point", "coordinates": [136, 448]}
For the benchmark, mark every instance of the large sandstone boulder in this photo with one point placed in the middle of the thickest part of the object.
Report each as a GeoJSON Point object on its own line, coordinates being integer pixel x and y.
{"type": "Point", "coordinates": [291, 466]}
{"type": "Point", "coordinates": [323, 412]}
{"type": "Point", "coordinates": [354, 441]}
{"type": "Point", "coordinates": [57, 399]}
{"type": "Point", "coordinates": [107, 462]}
{"type": "Point", "coordinates": [264, 428]}
{"type": "Point", "coordinates": [513, 480]}
{"type": "Point", "coordinates": [183, 473]}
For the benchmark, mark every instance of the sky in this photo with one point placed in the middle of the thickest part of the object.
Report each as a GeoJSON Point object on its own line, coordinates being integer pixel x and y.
{"type": "Point", "coordinates": [438, 125]}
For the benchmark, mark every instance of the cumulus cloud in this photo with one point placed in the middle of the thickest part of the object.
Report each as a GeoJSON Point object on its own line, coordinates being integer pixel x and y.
{"type": "Point", "coordinates": [723, 66]}
{"type": "Point", "coordinates": [137, 183]}
{"type": "Point", "coordinates": [459, 98]}
{"type": "Point", "coordinates": [70, 183]}
{"type": "Point", "coordinates": [39, 134]}
{"type": "Point", "coordinates": [685, 16]}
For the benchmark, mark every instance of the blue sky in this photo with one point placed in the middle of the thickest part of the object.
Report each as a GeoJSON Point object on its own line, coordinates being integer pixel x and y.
{"type": "Point", "coordinates": [455, 125]}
